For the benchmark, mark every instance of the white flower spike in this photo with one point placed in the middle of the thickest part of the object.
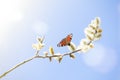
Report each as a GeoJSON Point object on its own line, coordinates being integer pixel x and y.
{"type": "Point", "coordinates": [39, 45]}
{"type": "Point", "coordinates": [93, 32]}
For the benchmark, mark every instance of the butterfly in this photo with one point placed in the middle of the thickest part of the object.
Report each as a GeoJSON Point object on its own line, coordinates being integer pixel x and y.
{"type": "Point", "coordinates": [66, 41]}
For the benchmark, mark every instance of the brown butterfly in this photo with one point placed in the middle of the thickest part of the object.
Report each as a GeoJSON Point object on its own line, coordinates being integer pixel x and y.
{"type": "Point", "coordinates": [66, 41]}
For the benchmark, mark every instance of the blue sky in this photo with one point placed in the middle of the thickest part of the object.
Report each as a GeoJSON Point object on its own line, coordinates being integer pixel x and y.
{"type": "Point", "coordinates": [21, 21]}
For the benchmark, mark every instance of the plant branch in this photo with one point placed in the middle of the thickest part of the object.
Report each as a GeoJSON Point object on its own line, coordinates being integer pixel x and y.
{"type": "Point", "coordinates": [36, 56]}
{"type": "Point", "coordinates": [92, 32]}
{"type": "Point", "coordinates": [58, 55]}
{"type": "Point", "coordinates": [16, 66]}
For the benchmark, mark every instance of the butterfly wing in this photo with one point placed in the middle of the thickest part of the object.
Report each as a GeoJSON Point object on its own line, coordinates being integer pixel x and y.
{"type": "Point", "coordinates": [62, 43]}
{"type": "Point", "coordinates": [65, 41]}
{"type": "Point", "coordinates": [68, 39]}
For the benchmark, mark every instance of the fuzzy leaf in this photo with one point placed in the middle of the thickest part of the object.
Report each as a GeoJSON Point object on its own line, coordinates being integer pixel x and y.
{"type": "Point", "coordinates": [72, 56]}
{"type": "Point", "coordinates": [50, 58]}
{"type": "Point", "coordinates": [60, 59]}
{"type": "Point", "coordinates": [51, 50]}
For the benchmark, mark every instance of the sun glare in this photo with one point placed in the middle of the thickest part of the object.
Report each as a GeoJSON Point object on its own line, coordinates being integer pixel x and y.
{"type": "Point", "coordinates": [10, 13]}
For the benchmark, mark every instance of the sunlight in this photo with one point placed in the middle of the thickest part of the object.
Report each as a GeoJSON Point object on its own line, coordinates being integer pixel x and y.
{"type": "Point", "coordinates": [10, 13]}
{"type": "Point", "coordinates": [14, 11]}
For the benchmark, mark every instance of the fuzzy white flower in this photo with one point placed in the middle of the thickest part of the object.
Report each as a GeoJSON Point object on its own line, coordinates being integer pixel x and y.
{"type": "Point", "coordinates": [72, 46]}
{"type": "Point", "coordinates": [99, 30]}
{"type": "Point", "coordinates": [89, 30]}
{"type": "Point", "coordinates": [92, 33]}
{"type": "Point", "coordinates": [85, 48]}
{"type": "Point", "coordinates": [90, 37]}
{"type": "Point", "coordinates": [97, 20]}
{"type": "Point", "coordinates": [84, 45]}
{"type": "Point", "coordinates": [84, 42]}
{"type": "Point", "coordinates": [97, 36]}
{"type": "Point", "coordinates": [39, 45]}
{"type": "Point", "coordinates": [91, 45]}
{"type": "Point", "coordinates": [40, 39]}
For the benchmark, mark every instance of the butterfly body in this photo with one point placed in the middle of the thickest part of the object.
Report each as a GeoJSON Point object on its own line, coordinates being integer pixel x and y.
{"type": "Point", "coordinates": [66, 41]}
